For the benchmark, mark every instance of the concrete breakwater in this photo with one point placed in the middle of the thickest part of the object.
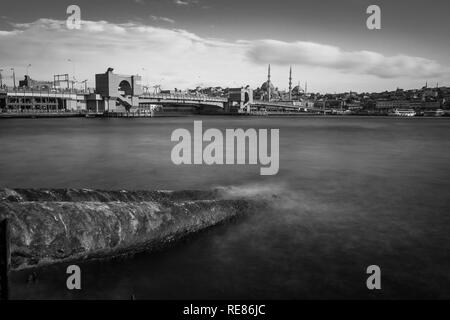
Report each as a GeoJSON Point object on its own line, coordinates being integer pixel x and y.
{"type": "Point", "coordinates": [49, 226]}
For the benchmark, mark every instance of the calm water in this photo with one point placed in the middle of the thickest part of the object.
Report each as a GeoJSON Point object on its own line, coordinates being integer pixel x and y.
{"type": "Point", "coordinates": [353, 192]}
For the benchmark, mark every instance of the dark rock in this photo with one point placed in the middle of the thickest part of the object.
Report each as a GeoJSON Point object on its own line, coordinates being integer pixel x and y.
{"type": "Point", "coordinates": [55, 225]}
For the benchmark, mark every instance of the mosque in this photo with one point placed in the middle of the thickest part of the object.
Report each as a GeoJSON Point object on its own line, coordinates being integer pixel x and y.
{"type": "Point", "coordinates": [268, 92]}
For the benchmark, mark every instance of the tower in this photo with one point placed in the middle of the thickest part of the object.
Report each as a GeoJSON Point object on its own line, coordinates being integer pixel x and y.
{"type": "Point", "coordinates": [290, 83]}
{"type": "Point", "coordinates": [268, 84]}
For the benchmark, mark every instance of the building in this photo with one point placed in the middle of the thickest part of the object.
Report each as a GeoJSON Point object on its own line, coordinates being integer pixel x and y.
{"type": "Point", "coordinates": [240, 99]}
{"type": "Point", "coordinates": [120, 93]}
{"type": "Point", "coordinates": [42, 101]}
{"type": "Point", "coordinates": [388, 106]}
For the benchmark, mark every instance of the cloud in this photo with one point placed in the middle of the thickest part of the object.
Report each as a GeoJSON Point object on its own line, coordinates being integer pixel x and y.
{"type": "Point", "coordinates": [165, 19]}
{"type": "Point", "coordinates": [179, 58]}
{"type": "Point", "coordinates": [331, 57]}
{"type": "Point", "coordinates": [185, 2]}
{"type": "Point", "coordinates": [129, 47]}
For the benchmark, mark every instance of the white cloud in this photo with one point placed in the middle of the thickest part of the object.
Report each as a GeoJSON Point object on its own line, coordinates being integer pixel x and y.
{"type": "Point", "coordinates": [362, 62]}
{"type": "Point", "coordinates": [128, 47]}
{"type": "Point", "coordinates": [179, 58]}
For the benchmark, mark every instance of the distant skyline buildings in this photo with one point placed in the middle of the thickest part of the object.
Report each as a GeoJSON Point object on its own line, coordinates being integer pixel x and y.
{"type": "Point", "coordinates": [197, 43]}
{"type": "Point", "coordinates": [267, 86]}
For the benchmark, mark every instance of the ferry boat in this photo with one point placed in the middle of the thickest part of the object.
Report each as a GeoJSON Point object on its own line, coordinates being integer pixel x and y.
{"type": "Point", "coordinates": [404, 113]}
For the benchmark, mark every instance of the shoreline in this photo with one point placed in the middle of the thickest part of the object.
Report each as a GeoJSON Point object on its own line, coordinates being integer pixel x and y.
{"type": "Point", "coordinates": [132, 116]}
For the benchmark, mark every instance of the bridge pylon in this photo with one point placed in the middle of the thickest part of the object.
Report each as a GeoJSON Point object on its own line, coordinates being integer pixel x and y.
{"type": "Point", "coordinates": [240, 100]}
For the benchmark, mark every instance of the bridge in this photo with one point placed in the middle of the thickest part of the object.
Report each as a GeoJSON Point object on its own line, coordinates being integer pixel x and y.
{"type": "Point", "coordinates": [120, 94]}
{"type": "Point", "coordinates": [25, 100]}
{"type": "Point", "coordinates": [285, 105]}
{"type": "Point", "coordinates": [182, 99]}
{"type": "Point", "coordinates": [206, 100]}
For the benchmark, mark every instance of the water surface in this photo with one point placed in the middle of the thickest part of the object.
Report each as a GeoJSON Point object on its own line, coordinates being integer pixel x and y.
{"type": "Point", "coordinates": [352, 192]}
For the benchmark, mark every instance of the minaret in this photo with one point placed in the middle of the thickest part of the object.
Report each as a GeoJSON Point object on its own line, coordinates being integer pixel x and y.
{"type": "Point", "coordinates": [268, 85]}
{"type": "Point", "coordinates": [290, 83]}
{"type": "Point", "coordinates": [306, 87]}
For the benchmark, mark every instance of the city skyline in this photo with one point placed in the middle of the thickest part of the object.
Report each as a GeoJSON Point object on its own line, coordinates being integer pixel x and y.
{"type": "Point", "coordinates": [209, 43]}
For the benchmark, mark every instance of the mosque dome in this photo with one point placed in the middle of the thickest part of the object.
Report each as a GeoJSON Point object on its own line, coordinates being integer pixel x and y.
{"type": "Point", "coordinates": [264, 86]}
{"type": "Point", "coordinates": [298, 89]}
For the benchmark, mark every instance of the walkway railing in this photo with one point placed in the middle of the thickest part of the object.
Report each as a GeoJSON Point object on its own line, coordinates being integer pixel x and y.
{"type": "Point", "coordinates": [43, 91]}
{"type": "Point", "coordinates": [163, 96]}
{"type": "Point", "coordinates": [183, 96]}
{"type": "Point", "coordinates": [274, 103]}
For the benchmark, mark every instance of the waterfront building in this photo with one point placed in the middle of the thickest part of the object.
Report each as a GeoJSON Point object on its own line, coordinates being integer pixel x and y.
{"type": "Point", "coordinates": [41, 101]}
{"type": "Point", "coordinates": [388, 106]}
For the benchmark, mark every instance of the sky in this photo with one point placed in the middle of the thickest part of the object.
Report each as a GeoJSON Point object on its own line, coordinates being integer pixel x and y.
{"type": "Point", "coordinates": [189, 43]}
